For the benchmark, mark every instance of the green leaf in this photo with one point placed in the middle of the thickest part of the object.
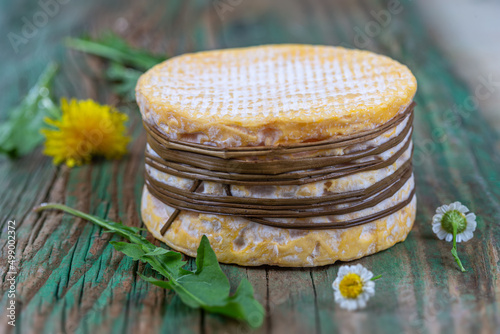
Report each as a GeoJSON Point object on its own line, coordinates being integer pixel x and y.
{"type": "Point", "coordinates": [208, 283]}
{"type": "Point", "coordinates": [158, 251]}
{"type": "Point", "coordinates": [114, 48]}
{"type": "Point", "coordinates": [20, 133]}
{"type": "Point", "coordinates": [127, 63]}
{"type": "Point", "coordinates": [207, 287]}
{"type": "Point", "coordinates": [157, 282]}
{"type": "Point", "coordinates": [169, 264]}
{"type": "Point", "coordinates": [123, 80]}
{"type": "Point", "coordinates": [132, 250]}
{"type": "Point", "coordinates": [242, 306]}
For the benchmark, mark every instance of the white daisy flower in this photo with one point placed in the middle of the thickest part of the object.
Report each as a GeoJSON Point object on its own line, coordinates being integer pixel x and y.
{"type": "Point", "coordinates": [454, 223]}
{"type": "Point", "coordinates": [353, 287]}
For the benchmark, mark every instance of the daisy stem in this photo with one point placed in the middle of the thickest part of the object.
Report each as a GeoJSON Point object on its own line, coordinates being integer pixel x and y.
{"type": "Point", "coordinates": [454, 249]}
{"type": "Point", "coordinates": [376, 277]}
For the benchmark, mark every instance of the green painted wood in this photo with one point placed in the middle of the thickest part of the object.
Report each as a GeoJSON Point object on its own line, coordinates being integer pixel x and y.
{"type": "Point", "coordinates": [71, 280]}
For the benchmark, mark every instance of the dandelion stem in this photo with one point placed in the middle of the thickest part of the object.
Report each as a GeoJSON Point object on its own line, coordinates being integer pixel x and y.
{"type": "Point", "coordinates": [454, 249]}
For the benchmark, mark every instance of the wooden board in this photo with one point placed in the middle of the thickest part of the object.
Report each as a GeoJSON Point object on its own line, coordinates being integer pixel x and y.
{"type": "Point", "coordinates": [71, 280]}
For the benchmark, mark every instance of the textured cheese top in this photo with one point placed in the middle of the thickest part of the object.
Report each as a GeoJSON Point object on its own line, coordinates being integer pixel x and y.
{"type": "Point", "coordinates": [274, 94]}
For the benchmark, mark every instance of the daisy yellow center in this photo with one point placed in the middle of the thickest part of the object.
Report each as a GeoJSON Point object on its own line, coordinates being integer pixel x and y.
{"type": "Point", "coordinates": [351, 286]}
{"type": "Point", "coordinates": [454, 217]}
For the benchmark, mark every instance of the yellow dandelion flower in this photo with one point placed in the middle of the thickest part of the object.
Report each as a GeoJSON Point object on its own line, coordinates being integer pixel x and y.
{"type": "Point", "coordinates": [85, 129]}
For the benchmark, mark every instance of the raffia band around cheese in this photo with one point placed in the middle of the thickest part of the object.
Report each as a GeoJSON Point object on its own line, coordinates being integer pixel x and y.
{"type": "Point", "coordinates": [288, 155]}
{"type": "Point", "coordinates": [182, 160]}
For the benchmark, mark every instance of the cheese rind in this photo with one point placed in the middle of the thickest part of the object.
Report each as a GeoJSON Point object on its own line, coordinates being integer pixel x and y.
{"type": "Point", "coordinates": [281, 95]}
{"type": "Point", "coordinates": [273, 94]}
{"type": "Point", "coordinates": [237, 240]}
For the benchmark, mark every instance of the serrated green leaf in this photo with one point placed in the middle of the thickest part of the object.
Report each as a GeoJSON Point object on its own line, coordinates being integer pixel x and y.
{"type": "Point", "coordinates": [157, 282]}
{"type": "Point", "coordinates": [207, 287]}
{"type": "Point", "coordinates": [20, 133]}
{"type": "Point", "coordinates": [123, 80]}
{"type": "Point", "coordinates": [115, 48]}
{"type": "Point", "coordinates": [132, 250]}
{"type": "Point", "coordinates": [157, 251]}
{"type": "Point", "coordinates": [127, 62]}
{"type": "Point", "coordinates": [242, 306]}
{"type": "Point", "coordinates": [208, 283]}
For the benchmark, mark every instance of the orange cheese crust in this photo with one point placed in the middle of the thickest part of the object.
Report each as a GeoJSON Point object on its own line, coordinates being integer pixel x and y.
{"type": "Point", "coordinates": [279, 95]}
{"type": "Point", "coordinates": [236, 240]}
{"type": "Point", "coordinates": [273, 94]}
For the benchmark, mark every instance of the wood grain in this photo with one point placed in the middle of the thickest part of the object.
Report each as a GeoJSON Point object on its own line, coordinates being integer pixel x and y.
{"type": "Point", "coordinates": [71, 280]}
